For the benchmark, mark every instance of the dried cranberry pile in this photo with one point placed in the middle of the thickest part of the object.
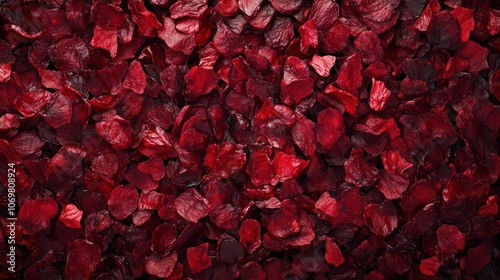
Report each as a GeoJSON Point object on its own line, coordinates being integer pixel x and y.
{"type": "Point", "coordinates": [252, 139]}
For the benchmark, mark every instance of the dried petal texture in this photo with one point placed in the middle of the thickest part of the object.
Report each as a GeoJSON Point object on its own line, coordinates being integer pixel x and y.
{"type": "Point", "coordinates": [225, 160]}
{"type": "Point", "coordinates": [136, 78]}
{"type": "Point", "coordinates": [333, 255]}
{"type": "Point", "coordinates": [105, 39]}
{"type": "Point", "coordinates": [252, 271]}
{"type": "Point", "coordinates": [477, 258]}
{"type": "Point", "coordinates": [69, 54]}
{"type": "Point", "coordinates": [67, 162]}
{"type": "Point", "coordinates": [174, 39]}
{"type": "Point", "coordinates": [286, 7]}
{"type": "Point", "coordinates": [379, 95]}
{"type": "Point", "coordinates": [153, 167]}
{"type": "Point", "coordinates": [430, 266]}
{"type": "Point", "coordinates": [191, 206]}
{"type": "Point", "coordinates": [475, 55]}
{"type": "Point", "coordinates": [369, 46]}
{"type": "Point", "coordinates": [285, 221]}
{"type": "Point", "coordinates": [229, 250]}
{"type": "Point", "coordinates": [445, 31]}
{"type": "Point", "coordinates": [198, 258]}
{"type": "Point", "coordinates": [450, 239]}
{"type": "Point", "coordinates": [309, 37]}
{"type": "Point", "coordinates": [350, 77]}
{"type": "Point", "coordinates": [465, 18]}
{"type": "Point", "coordinates": [26, 144]}
{"type": "Point", "coordinates": [495, 84]}
{"type": "Point", "coordinates": [82, 260]}
{"type": "Point", "coordinates": [394, 163]}
{"type": "Point", "coordinates": [250, 235]}
{"type": "Point", "coordinates": [116, 131]}
{"type": "Point", "coordinates": [304, 136]}
{"type": "Point", "coordinates": [161, 266]}
{"type": "Point", "coordinates": [188, 8]}
{"type": "Point", "coordinates": [200, 81]}
{"type": "Point", "coordinates": [322, 64]}
{"type": "Point", "coordinates": [494, 22]}
{"type": "Point", "coordinates": [249, 7]}
{"type": "Point", "coordinates": [226, 41]}
{"type": "Point", "coordinates": [288, 166]}
{"type": "Point", "coordinates": [259, 169]}
{"type": "Point", "coordinates": [5, 71]}
{"type": "Point", "coordinates": [35, 215]}
{"type": "Point", "coordinates": [163, 238]}
{"type": "Point", "coordinates": [71, 216]}
{"type": "Point", "coordinates": [348, 101]}
{"type": "Point", "coordinates": [32, 102]}
{"type": "Point", "coordinates": [263, 17]}
{"type": "Point", "coordinates": [156, 142]}
{"type": "Point", "coordinates": [145, 20]}
{"type": "Point", "coordinates": [330, 127]}
{"type": "Point", "coordinates": [335, 39]}
{"type": "Point", "coordinates": [58, 111]}
{"type": "Point", "coordinates": [280, 34]}
{"type": "Point", "coordinates": [490, 208]}
{"type": "Point", "coordinates": [358, 171]}
{"type": "Point", "coordinates": [123, 201]}
{"type": "Point", "coordinates": [297, 83]}
{"type": "Point", "coordinates": [382, 219]}
{"type": "Point", "coordinates": [392, 185]}
{"type": "Point", "coordinates": [52, 79]}
{"type": "Point", "coordinates": [324, 13]}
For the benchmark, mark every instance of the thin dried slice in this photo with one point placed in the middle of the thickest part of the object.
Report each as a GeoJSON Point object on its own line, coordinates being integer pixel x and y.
{"type": "Point", "coordinates": [358, 171]}
{"type": "Point", "coordinates": [71, 216]}
{"type": "Point", "coordinates": [379, 95]}
{"type": "Point", "coordinates": [322, 64]}
{"type": "Point", "coordinates": [123, 201]}
{"type": "Point", "coordinates": [382, 219]}
{"type": "Point", "coordinates": [330, 127]}
{"type": "Point", "coordinates": [250, 235]}
{"type": "Point", "coordinates": [450, 239]}
{"type": "Point", "coordinates": [333, 255]}
{"type": "Point", "coordinates": [191, 205]}
{"type": "Point", "coordinates": [198, 258]}
{"type": "Point", "coordinates": [32, 219]}
{"type": "Point", "coordinates": [82, 260]}
{"type": "Point", "coordinates": [350, 77]}
{"type": "Point", "coordinates": [161, 266]}
{"type": "Point", "coordinates": [297, 83]}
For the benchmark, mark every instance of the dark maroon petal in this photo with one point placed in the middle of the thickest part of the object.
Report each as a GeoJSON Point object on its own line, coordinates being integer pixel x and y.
{"type": "Point", "coordinates": [444, 31]}
{"type": "Point", "coordinates": [83, 258]}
